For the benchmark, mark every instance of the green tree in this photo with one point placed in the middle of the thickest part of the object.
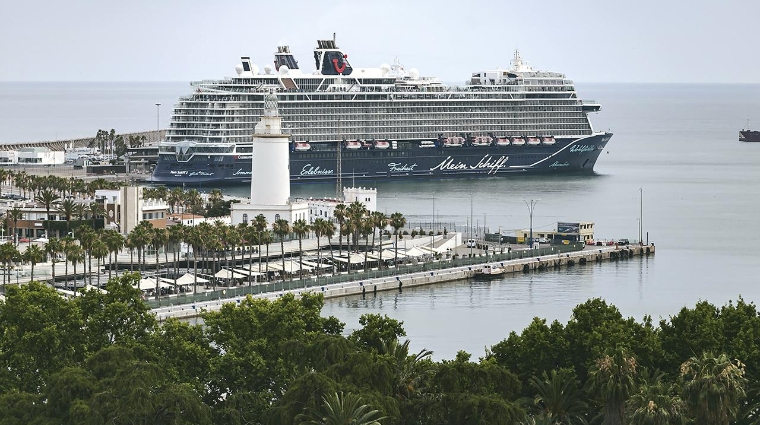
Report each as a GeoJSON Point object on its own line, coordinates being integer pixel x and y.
{"type": "Point", "coordinates": [281, 228]}
{"type": "Point", "coordinates": [100, 251]}
{"type": "Point", "coordinates": [66, 209]}
{"type": "Point", "coordinates": [713, 388]}
{"type": "Point", "coordinates": [48, 198]}
{"type": "Point", "coordinates": [397, 221]}
{"type": "Point", "coordinates": [377, 331]}
{"type": "Point", "coordinates": [340, 215]}
{"type": "Point", "coordinates": [15, 214]}
{"type": "Point", "coordinates": [613, 380]}
{"type": "Point", "coordinates": [301, 228]}
{"type": "Point", "coordinates": [8, 254]}
{"type": "Point", "coordinates": [33, 255]}
{"type": "Point", "coordinates": [159, 239]}
{"type": "Point", "coordinates": [53, 248]}
{"type": "Point", "coordinates": [339, 409]}
{"type": "Point", "coordinates": [558, 397]}
{"type": "Point", "coordinates": [655, 403]}
{"type": "Point", "coordinates": [260, 224]}
{"type": "Point", "coordinates": [379, 221]}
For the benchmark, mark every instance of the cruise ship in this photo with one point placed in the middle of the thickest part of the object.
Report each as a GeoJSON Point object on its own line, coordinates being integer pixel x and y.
{"type": "Point", "coordinates": [381, 123]}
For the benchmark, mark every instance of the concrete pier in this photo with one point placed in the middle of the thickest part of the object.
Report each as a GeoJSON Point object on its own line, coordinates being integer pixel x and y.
{"type": "Point", "coordinates": [590, 255]}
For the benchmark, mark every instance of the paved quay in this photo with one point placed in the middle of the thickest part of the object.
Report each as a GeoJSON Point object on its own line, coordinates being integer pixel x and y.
{"type": "Point", "coordinates": [369, 286]}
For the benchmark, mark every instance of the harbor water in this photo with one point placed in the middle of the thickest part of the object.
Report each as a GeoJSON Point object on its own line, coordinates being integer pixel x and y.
{"type": "Point", "coordinates": [677, 145]}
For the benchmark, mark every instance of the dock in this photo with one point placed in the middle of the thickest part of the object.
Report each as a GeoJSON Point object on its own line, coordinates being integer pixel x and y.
{"type": "Point", "coordinates": [397, 282]}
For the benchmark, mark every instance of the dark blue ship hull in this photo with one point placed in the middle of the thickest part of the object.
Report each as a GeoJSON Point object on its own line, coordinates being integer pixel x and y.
{"type": "Point", "coordinates": [409, 161]}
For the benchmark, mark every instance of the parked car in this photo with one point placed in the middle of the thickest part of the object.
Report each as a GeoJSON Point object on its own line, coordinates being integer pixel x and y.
{"type": "Point", "coordinates": [470, 243]}
{"type": "Point", "coordinates": [543, 240]}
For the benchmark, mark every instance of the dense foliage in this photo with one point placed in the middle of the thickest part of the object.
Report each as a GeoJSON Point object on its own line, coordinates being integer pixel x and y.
{"type": "Point", "coordinates": [102, 358]}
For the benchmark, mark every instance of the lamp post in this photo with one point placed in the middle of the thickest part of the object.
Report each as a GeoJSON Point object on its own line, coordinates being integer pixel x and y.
{"type": "Point", "coordinates": [531, 206]}
{"type": "Point", "coordinates": [158, 109]}
{"type": "Point", "coordinates": [641, 215]}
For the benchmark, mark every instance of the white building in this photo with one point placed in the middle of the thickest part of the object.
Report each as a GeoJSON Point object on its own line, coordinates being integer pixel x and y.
{"type": "Point", "coordinates": [126, 208]}
{"type": "Point", "coordinates": [270, 180]}
{"type": "Point", "coordinates": [325, 207]}
{"type": "Point", "coordinates": [8, 157]}
{"type": "Point", "coordinates": [40, 156]}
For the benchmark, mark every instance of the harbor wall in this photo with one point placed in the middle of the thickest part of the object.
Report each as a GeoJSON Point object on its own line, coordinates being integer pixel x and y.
{"type": "Point", "coordinates": [371, 286]}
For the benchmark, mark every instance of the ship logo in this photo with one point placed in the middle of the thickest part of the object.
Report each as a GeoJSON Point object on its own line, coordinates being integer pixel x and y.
{"type": "Point", "coordinates": [583, 148]}
{"type": "Point", "coordinates": [397, 167]}
{"type": "Point", "coordinates": [488, 162]}
{"type": "Point", "coordinates": [310, 170]}
{"type": "Point", "coordinates": [340, 68]}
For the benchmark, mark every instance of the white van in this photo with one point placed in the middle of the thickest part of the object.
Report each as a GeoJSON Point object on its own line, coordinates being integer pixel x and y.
{"type": "Point", "coordinates": [470, 243]}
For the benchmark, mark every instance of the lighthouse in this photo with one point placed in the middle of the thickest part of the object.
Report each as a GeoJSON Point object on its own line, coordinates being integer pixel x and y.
{"type": "Point", "coordinates": [270, 177]}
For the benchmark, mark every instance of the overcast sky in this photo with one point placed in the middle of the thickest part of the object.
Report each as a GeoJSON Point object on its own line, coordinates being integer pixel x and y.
{"type": "Point", "coordinates": [185, 40]}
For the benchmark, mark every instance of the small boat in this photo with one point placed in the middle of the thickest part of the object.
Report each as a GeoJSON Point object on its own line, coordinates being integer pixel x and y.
{"type": "Point", "coordinates": [533, 141]}
{"type": "Point", "coordinates": [482, 141]}
{"type": "Point", "coordinates": [548, 140]}
{"type": "Point", "coordinates": [453, 142]}
{"type": "Point", "coordinates": [502, 141]}
{"type": "Point", "coordinates": [302, 146]}
{"type": "Point", "coordinates": [518, 141]}
{"type": "Point", "coordinates": [489, 271]}
{"type": "Point", "coordinates": [353, 145]}
{"type": "Point", "coordinates": [382, 144]}
{"type": "Point", "coordinates": [749, 136]}
{"type": "Point", "coordinates": [366, 144]}
{"type": "Point", "coordinates": [427, 144]}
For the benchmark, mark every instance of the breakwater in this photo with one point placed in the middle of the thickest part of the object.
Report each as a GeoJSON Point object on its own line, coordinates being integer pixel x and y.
{"type": "Point", "coordinates": [367, 286]}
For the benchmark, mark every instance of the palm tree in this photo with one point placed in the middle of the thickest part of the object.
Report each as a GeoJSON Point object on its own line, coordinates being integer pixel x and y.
{"type": "Point", "coordinates": [175, 197]}
{"type": "Point", "coordinates": [66, 209]}
{"type": "Point", "coordinates": [339, 409]}
{"type": "Point", "coordinates": [266, 238]}
{"type": "Point", "coordinates": [713, 387]}
{"type": "Point", "coordinates": [379, 221]}
{"type": "Point", "coordinates": [397, 221]}
{"type": "Point", "coordinates": [655, 404]}
{"type": "Point", "coordinates": [193, 238]}
{"type": "Point", "coordinates": [356, 211]}
{"type": "Point", "coordinates": [33, 255]}
{"type": "Point", "coordinates": [47, 197]}
{"type": "Point", "coordinates": [340, 215]}
{"type": "Point", "coordinates": [75, 255]}
{"type": "Point", "coordinates": [100, 250]}
{"type": "Point", "coordinates": [8, 253]}
{"type": "Point", "coordinates": [87, 237]}
{"type": "Point", "coordinates": [176, 236]}
{"type": "Point", "coordinates": [115, 242]}
{"type": "Point", "coordinates": [281, 228]}
{"type": "Point", "coordinates": [15, 214]}
{"type": "Point", "coordinates": [95, 209]}
{"type": "Point", "coordinates": [260, 224]}
{"type": "Point", "coordinates": [66, 242]}
{"type": "Point", "coordinates": [158, 237]}
{"type": "Point", "coordinates": [53, 247]}
{"type": "Point", "coordinates": [301, 228]}
{"type": "Point", "coordinates": [320, 228]}
{"type": "Point", "coordinates": [558, 397]}
{"type": "Point", "coordinates": [613, 379]}
{"type": "Point", "coordinates": [409, 369]}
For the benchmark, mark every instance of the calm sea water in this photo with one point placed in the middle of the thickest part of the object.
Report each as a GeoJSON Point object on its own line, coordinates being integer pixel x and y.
{"type": "Point", "coordinates": [676, 143]}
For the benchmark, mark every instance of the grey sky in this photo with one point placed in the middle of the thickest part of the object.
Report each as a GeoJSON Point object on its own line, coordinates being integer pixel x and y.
{"type": "Point", "coordinates": [184, 40]}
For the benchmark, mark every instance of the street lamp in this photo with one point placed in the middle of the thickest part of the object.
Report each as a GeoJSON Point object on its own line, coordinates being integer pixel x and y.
{"type": "Point", "coordinates": [158, 109]}
{"type": "Point", "coordinates": [531, 206]}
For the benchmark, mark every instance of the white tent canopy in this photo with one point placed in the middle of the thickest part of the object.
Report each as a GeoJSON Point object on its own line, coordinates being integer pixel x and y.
{"type": "Point", "coordinates": [189, 279]}
{"type": "Point", "coordinates": [229, 274]}
{"type": "Point", "coordinates": [416, 252]}
{"type": "Point", "coordinates": [150, 283]}
{"type": "Point", "coordinates": [246, 272]}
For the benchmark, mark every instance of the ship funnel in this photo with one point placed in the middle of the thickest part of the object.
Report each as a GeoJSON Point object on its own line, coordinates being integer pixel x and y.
{"type": "Point", "coordinates": [329, 60]}
{"type": "Point", "coordinates": [284, 57]}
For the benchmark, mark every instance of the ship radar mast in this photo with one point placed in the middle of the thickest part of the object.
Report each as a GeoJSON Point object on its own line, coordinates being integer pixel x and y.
{"type": "Point", "coordinates": [518, 64]}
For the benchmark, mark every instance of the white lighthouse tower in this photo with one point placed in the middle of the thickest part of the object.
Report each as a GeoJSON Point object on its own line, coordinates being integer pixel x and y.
{"type": "Point", "coordinates": [270, 177]}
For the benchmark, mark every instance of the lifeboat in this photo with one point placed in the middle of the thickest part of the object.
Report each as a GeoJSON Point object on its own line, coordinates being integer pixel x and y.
{"type": "Point", "coordinates": [518, 141]}
{"type": "Point", "coordinates": [533, 141]}
{"type": "Point", "coordinates": [427, 144]}
{"type": "Point", "coordinates": [302, 146]}
{"type": "Point", "coordinates": [365, 144]}
{"type": "Point", "coordinates": [353, 145]}
{"type": "Point", "coordinates": [382, 144]}
{"type": "Point", "coordinates": [453, 142]}
{"type": "Point", "coordinates": [482, 141]}
{"type": "Point", "coordinates": [548, 140]}
{"type": "Point", "coordinates": [502, 141]}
